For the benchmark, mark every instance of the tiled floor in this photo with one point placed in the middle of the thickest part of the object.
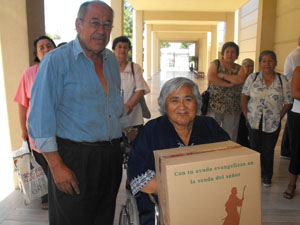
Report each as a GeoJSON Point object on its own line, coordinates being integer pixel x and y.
{"type": "Point", "coordinates": [275, 209]}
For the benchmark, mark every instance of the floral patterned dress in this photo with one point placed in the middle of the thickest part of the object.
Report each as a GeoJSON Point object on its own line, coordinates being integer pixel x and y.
{"type": "Point", "coordinates": [225, 99]}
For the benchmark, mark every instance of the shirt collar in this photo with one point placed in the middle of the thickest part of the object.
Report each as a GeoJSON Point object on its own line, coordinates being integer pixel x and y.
{"type": "Point", "coordinates": [77, 49]}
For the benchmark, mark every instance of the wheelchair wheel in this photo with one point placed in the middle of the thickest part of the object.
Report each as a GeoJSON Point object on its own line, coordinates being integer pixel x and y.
{"type": "Point", "coordinates": [129, 214]}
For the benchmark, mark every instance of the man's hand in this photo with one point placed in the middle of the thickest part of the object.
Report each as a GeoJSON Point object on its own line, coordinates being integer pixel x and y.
{"type": "Point", "coordinates": [64, 178]}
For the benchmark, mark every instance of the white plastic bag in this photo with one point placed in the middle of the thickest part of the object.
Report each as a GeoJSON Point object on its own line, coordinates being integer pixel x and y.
{"type": "Point", "coordinates": [33, 182]}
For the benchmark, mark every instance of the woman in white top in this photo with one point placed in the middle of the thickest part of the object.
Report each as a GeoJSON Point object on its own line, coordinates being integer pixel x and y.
{"type": "Point", "coordinates": [133, 85]}
{"type": "Point", "coordinates": [293, 126]}
{"type": "Point", "coordinates": [269, 100]}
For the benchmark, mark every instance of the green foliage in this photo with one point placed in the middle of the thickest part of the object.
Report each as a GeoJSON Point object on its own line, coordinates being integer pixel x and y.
{"type": "Point", "coordinates": [54, 37]}
{"type": "Point", "coordinates": [184, 45]}
{"type": "Point", "coordinates": [165, 45]}
{"type": "Point", "coordinates": [128, 23]}
{"type": "Point", "coordinates": [128, 20]}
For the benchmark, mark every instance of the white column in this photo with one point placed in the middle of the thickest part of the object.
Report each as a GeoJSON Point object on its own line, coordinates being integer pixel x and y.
{"type": "Point", "coordinates": [158, 54]}
{"type": "Point", "coordinates": [137, 37]}
{"type": "Point", "coordinates": [154, 53]}
{"type": "Point", "coordinates": [200, 55]}
{"type": "Point", "coordinates": [214, 44]}
{"type": "Point", "coordinates": [205, 53]}
{"type": "Point", "coordinates": [197, 50]}
{"type": "Point", "coordinates": [118, 7]}
{"type": "Point", "coordinates": [147, 51]}
{"type": "Point", "coordinates": [230, 25]}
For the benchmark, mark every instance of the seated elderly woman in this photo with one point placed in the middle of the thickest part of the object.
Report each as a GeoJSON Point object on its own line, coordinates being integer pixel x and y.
{"type": "Point", "coordinates": [179, 103]}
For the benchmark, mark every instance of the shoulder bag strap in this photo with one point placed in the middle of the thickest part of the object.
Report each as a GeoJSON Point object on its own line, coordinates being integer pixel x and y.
{"type": "Point", "coordinates": [132, 70]}
{"type": "Point", "coordinates": [256, 75]}
{"type": "Point", "coordinates": [279, 76]}
{"type": "Point", "coordinates": [218, 65]}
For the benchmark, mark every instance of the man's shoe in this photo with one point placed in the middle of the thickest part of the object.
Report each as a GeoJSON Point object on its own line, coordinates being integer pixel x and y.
{"type": "Point", "coordinates": [267, 182]}
{"type": "Point", "coordinates": [285, 157]}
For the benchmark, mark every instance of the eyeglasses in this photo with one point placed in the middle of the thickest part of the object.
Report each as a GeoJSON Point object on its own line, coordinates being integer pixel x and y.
{"type": "Point", "coordinates": [95, 24]}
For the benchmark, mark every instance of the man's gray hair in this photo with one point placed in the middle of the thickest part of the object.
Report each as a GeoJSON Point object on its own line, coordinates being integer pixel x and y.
{"type": "Point", "coordinates": [176, 84]}
{"type": "Point", "coordinates": [84, 8]}
{"type": "Point", "coordinates": [245, 61]}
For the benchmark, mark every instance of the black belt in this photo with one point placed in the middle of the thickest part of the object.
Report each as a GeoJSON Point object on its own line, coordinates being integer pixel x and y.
{"type": "Point", "coordinates": [92, 144]}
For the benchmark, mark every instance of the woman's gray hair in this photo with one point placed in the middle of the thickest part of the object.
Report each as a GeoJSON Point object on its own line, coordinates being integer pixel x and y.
{"type": "Point", "coordinates": [245, 61]}
{"type": "Point", "coordinates": [176, 84]}
{"type": "Point", "coordinates": [84, 8]}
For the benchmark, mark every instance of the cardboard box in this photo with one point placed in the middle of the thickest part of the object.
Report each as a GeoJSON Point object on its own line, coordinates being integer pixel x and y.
{"type": "Point", "coordinates": [205, 184]}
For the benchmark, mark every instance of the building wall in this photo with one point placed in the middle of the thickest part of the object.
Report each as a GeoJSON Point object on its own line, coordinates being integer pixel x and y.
{"type": "Point", "coordinates": [15, 59]}
{"type": "Point", "coordinates": [287, 29]}
{"type": "Point", "coordinates": [248, 23]}
{"type": "Point", "coordinates": [268, 24]}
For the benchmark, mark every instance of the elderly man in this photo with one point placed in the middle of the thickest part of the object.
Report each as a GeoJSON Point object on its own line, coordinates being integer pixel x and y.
{"type": "Point", "coordinates": [291, 62]}
{"type": "Point", "coordinates": [74, 121]}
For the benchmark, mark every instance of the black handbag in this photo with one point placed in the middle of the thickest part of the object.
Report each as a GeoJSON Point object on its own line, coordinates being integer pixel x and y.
{"type": "Point", "coordinates": [205, 96]}
{"type": "Point", "coordinates": [205, 100]}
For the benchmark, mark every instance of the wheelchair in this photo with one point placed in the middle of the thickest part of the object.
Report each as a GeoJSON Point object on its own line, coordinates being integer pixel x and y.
{"type": "Point", "coordinates": [129, 214]}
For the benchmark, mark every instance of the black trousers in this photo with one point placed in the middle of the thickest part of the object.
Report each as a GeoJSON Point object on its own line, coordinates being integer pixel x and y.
{"type": "Point", "coordinates": [243, 137]}
{"type": "Point", "coordinates": [43, 163]}
{"type": "Point", "coordinates": [294, 125]}
{"type": "Point", "coordinates": [98, 168]}
{"type": "Point", "coordinates": [264, 143]}
{"type": "Point", "coordinates": [285, 143]}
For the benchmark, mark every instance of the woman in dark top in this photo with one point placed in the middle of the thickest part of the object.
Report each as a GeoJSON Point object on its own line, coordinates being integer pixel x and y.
{"type": "Point", "coordinates": [179, 126]}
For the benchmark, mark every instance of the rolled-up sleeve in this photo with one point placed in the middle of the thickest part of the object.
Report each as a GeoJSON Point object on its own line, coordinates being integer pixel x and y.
{"type": "Point", "coordinates": [44, 98]}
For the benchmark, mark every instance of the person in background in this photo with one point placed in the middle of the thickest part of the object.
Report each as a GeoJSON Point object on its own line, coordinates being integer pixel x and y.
{"type": "Point", "coordinates": [61, 44]}
{"type": "Point", "coordinates": [243, 137]}
{"type": "Point", "coordinates": [225, 84]}
{"type": "Point", "coordinates": [293, 126]}
{"type": "Point", "coordinates": [178, 126]}
{"type": "Point", "coordinates": [76, 107]}
{"type": "Point", "coordinates": [132, 84]}
{"type": "Point", "coordinates": [291, 62]}
{"type": "Point", "coordinates": [42, 45]}
{"type": "Point", "coordinates": [270, 98]}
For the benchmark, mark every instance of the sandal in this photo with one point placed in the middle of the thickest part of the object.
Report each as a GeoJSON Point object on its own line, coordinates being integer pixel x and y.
{"type": "Point", "coordinates": [289, 195]}
{"type": "Point", "coordinates": [44, 206]}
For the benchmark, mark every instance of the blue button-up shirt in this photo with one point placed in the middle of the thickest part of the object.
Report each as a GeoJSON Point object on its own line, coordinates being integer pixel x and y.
{"type": "Point", "coordinates": [68, 100]}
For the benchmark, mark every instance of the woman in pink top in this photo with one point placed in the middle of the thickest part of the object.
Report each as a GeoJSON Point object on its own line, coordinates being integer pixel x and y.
{"type": "Point", "coordinates": [42, 45]}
